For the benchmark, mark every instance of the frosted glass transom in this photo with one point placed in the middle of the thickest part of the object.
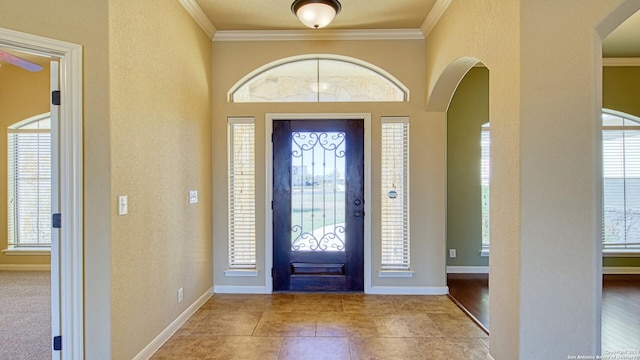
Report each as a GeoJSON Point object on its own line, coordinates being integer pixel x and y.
{"type": "Point", "coordinates": [319, 80]}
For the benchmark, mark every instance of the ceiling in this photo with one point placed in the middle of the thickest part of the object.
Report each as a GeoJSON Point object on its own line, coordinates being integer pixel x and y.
{"type": "Point", "coordinates": [40, 60]}
{"type": "Point", "coordinates": [355, 14]}
{"type": "Point", "coordinates": [625, 40]}
{"type": "Point", "coordinates": [370, 14]}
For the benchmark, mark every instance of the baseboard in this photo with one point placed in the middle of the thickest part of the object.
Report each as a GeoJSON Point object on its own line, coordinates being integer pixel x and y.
{"type": "Point", "coordinates": [467, 269]}
{"type": "Point", "coordinates": [608, 270]}
{"type": "Point", "coordinates": [409, 290]}
{"type": "Point", "coordinates": [489, 357]}
{"type": "Point", "coordinates": [156, 343]}
{"type": "Point", "coordinates": [20, 267]}
{"type": "Point", "coordinates": [621, 270]}
{"type": "Point", "coordinates": [224, 289]}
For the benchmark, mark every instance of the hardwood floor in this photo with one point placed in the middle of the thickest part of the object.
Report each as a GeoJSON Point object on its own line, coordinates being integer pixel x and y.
{"type": "Point", "coordinates": [471, 293]}
{"type": "Point", "coordinates": [620, 307]}
{"type": "Point", "coordinates": [621, 313]}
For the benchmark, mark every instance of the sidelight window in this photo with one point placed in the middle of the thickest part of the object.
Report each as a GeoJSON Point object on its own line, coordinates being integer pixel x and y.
{"type": "Point", "coordinates": [395, 194]}
{"type": "Point", "coordinates": [242, 194]}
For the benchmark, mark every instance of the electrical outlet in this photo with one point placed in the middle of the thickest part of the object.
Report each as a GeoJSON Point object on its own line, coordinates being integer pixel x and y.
{"type": "Point", "coordinates": [452, 253]}
{"type": "Point", "coordinates": [180, 295]}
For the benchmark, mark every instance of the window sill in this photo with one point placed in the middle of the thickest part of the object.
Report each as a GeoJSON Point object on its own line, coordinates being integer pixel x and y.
{"type": "Point", "coordinates": [621, 252]}
{"type": "Point", "coordinates": [241, 272]}
{"type": "Point", "coordinates": [396, 273]}
{"type": "Point", "coordinates": [27, 252]}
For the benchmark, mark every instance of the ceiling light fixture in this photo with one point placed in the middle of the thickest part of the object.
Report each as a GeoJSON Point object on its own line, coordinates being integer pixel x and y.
{"type": "Point", "coordinates": [316, 13]}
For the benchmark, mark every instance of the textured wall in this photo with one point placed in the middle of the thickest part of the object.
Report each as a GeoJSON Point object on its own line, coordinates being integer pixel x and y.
{"type": "Point", "coordinates": [544, 91]}
{"type": "Point", "coordinates": [160, 96]}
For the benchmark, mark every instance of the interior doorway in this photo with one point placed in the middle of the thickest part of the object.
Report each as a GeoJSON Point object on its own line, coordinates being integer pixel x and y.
{"type": "Point", "coordinates": [66, 254]}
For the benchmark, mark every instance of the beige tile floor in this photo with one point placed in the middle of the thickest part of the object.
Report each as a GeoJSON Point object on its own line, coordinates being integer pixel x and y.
{"type": "Point", "coordinates": [327, 326]}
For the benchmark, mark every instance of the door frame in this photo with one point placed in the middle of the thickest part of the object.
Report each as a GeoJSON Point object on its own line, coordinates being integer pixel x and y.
{"type": "Point", "coordinates": [71, 186]}
{"type": "Point", "coordinates": [269, 118]}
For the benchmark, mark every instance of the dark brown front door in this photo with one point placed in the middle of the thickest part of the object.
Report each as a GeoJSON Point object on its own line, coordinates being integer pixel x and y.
{"type": "Point", "coordinates": [318, 205]}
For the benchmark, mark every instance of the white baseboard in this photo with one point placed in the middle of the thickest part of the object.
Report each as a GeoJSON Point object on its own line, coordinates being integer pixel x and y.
{"type": "Point", "coordinates": [467, 269]}
{"type": "Point", "coordinates": [489, 357]}
{"type": "Point", "coordinates": [608, 270]}
{"type": "Point", "coordinates": [409, 290]}
{"type": "Point", "coordinates": [224, 289]}
{"type": "Point", "coordinates": [156, 343]}
{"type": "Point", "coordinates": [621, 270]}
{"type": "Point", "coordinates": [19, 267]}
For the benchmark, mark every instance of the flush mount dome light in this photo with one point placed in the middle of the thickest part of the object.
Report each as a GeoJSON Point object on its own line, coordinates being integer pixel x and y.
{"type": "Point", "coordinates": [316, 13]}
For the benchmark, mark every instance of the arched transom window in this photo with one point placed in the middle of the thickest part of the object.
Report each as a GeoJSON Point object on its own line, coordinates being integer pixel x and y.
{"type": "Point", "coordinates": [318, 78]}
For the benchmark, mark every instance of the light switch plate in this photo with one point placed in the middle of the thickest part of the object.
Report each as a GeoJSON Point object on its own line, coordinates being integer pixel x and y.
{"type": "Point", "coordinates": [123, 205]}
{"type": "Point", "coordinates": [193, 196]}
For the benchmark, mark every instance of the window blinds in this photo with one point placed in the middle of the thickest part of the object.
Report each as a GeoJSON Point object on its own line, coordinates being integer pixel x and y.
{"type": "Point", "coordinates": [621, 186]}
{"type": "Point", "coordinates": [29, 187]}
{"type": "Point", "coordinates": [395, 200]}
{"type": "Point", "coordinates": [485, 167]}
{"type": "Point", "coordinates": [242, 227]}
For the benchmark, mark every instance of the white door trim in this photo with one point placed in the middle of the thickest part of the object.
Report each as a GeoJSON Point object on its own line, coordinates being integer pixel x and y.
{"type": "Point", "coordinates": [71, 269]}
{"type": "Point", "coordinates": [269, 118]}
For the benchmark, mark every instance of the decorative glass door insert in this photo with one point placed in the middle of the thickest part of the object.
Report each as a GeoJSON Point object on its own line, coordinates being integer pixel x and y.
{"type": "Point", "coordinates": [318, 191]}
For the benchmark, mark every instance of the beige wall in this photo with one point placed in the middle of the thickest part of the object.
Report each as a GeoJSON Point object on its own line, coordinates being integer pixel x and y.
{"type": "Point", "coordinates": [23, 94]}
{"type": "Point", "coordinates": [157, 113]}
{"type": "Point", "coordinates": [544, 72]}
{"type": "Point", "coordinates": [160, 95]}
{"type": "Point", "coordinates": [405, 61]}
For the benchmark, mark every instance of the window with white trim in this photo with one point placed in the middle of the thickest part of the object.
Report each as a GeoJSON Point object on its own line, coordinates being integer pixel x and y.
{"type": "Point", "coordinates": [29, 183]}
{"type": "Point", "coordinates": [485, 184]}
{"type": "Point", "coordinates": [621, 182]}
{"type": "Point", "coordinates": [242, 194]}
{"type": "Point", "coordinates": [395, 194]}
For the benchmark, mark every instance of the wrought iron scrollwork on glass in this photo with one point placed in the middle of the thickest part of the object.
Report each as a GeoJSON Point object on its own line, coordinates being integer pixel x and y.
{"type": "Point", "coordinates": [328, 141]}
{"type": "Point", "coordinates": [318, 191]}
{"type": "Point", "coordinates": [306, 241]}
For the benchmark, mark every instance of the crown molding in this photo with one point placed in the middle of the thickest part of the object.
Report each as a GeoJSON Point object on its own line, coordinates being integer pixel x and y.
{"type": "Point", "coordinates": [621, 61]}
{"type": "Point", "coordinates": [198, 15]}
{"type": "Point", "coordinates": [434, 16]}
{"type": "Point", "coordinates": [301, 35]}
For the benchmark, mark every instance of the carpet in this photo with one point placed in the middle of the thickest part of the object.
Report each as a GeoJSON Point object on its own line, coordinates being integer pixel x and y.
{"type": "Point", "coordinates": [25, 315]}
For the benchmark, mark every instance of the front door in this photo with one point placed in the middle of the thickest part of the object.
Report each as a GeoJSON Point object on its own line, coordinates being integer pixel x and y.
{"type": "Point", "coordinates": [318, 205]}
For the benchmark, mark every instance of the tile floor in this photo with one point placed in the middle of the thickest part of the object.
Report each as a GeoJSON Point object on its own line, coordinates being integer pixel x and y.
{"type": "Point", "coordinates": [327, 326]}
